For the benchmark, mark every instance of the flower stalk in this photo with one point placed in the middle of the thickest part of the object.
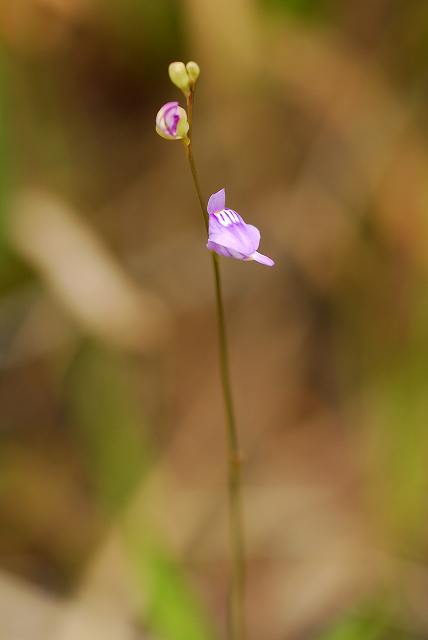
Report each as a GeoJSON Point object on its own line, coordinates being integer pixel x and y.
{"type": "Point", "coordinates": [236, 622]}
{"type": "Point", "coordinates": [230, 236]}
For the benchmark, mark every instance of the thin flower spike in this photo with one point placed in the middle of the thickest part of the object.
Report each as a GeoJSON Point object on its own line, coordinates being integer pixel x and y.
{"type": "Point", "coordinates": [229, 235]}
{"type": "Point", "coordinates": [171, 121]}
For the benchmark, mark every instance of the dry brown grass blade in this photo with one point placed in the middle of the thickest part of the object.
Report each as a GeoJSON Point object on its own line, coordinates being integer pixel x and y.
{"type": "Point", "coordinates": [27, 612]}
{"type": "Point", "coordinates": [82, 274]}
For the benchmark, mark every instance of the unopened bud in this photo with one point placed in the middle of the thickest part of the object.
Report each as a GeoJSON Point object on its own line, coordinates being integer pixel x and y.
{"type": "Point", "coordinates": [178, 74]}
{"type": "Point", "coordinates": [193, 71]}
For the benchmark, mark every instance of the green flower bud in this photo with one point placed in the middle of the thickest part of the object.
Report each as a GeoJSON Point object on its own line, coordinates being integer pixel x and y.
{"type": "Point", "coordinates": [178, 74]}
{"type": "Point", "coordinates": [193, 71]}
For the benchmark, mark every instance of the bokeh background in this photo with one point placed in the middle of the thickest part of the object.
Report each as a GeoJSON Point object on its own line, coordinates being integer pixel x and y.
{"type": "Point", "coordinates": [312, 114]}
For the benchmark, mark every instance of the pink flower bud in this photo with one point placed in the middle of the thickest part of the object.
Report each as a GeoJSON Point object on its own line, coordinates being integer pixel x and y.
{"type": "Point", "coordinates": [171, 122]}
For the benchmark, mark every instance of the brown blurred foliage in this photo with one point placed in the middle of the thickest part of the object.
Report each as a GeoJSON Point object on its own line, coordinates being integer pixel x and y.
{"type": "Point", "coordinates": [312, 115]}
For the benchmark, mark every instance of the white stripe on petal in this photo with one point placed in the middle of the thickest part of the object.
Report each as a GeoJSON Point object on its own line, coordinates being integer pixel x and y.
{"type": "Point", "coordinates": [223, 218]}
{"type": "Point", "coordinates": [232, 215]}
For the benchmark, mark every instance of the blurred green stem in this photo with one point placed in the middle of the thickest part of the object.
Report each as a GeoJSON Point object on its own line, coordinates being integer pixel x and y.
{"type": "Point", "coordinates": [237, 591]}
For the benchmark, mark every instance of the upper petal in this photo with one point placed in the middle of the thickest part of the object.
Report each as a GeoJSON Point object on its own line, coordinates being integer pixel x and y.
{"type": "Point", "coordinates": [217, 201]}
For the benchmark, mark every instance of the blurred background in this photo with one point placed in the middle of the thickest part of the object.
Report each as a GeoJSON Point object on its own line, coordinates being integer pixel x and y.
{"type": "Point", "coordinates": [312, 114]}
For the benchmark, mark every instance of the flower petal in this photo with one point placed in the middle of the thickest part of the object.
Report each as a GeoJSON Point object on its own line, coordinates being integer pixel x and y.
{"type": "Point", "coordinates": [217, 201]}
{"type": "Point", "coordinates": [171, 121]}
{"type": "Point", "coordinates": [259, 257]}
{"type": "Point", "coordinates": [224, 251]}
{"type": "Point", "coordinates": [165, 119]}
{"type": "Point", "coordinates": [236, 236]}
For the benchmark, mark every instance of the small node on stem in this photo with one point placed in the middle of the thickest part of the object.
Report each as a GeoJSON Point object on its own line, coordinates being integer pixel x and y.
{"type": "Point", "coordinates": [237, 459]}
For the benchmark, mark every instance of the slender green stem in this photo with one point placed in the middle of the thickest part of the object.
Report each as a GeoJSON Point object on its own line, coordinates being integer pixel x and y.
{"type": "Point", "coordinates": [236, 621]}
{"type": "Point", "coordinates": [189, 153]}
{"type": "Point", "coordinates": [237, 589]}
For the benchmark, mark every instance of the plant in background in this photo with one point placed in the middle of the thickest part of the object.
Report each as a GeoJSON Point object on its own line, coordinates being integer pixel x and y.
{"type": "Point", "coordinates": [230, 236]}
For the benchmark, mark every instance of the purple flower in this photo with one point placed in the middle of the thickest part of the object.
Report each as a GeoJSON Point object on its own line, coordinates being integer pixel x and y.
{"type": "Point", "coordinates": [229, 235]}
{"type": "Point", "coordinates": [171, 122]}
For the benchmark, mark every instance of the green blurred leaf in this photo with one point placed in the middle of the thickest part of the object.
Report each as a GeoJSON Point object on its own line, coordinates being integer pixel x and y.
{"type": "Point", "coordinates": [12, 270]}
{"type": "Point", "coordinates": [5, 151]}
{"type": "Point", "coordinates": [370, 624]}
{"type": "Point", "coordinates": [398, 436]}
{"type": "Point", "coordinates": [149, 33]}
{"type": "Point", "coordinates": [305, 9]}
{"type": "Point", "coordinates": [111, 425]}
{"type": "Point", "coordinates": [172, 610]}
{"type": "Point", "coordinates": [115, 445]}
